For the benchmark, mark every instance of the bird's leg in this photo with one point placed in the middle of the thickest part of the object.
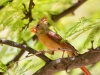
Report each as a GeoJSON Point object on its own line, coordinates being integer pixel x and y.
{"type": "Point", "coordinates": [62, 50]}
{"type": "Point", "coordinates": [41, 52]}
{"type": "Point", "coordinates": [63, 54]}
{"type": "Point", "coordinates": [92, 48]}
{"type": "Point", "coordinates": [51, 52]}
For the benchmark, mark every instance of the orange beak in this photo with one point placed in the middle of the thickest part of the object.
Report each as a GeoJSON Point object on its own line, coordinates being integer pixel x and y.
{"type": "Point", "coordinates": [33, 29]}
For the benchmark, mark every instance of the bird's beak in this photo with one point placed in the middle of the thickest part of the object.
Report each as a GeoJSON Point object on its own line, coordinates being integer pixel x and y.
{"type": "Point", "coordinates": [33, 29]}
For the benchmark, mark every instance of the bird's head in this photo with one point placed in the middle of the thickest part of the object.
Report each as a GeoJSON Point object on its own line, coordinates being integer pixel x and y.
{"type": "Point", "coordinates": [41, 26]}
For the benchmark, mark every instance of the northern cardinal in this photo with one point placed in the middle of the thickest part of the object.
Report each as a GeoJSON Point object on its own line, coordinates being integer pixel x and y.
{"type": "Point", "coordinates": [53, 41]}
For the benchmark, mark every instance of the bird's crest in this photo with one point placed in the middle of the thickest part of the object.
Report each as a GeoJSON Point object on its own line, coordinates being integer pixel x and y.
{"type": "Point", "coordinates": [44, 20]}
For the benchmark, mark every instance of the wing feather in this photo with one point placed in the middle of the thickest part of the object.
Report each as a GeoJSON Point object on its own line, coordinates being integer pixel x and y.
{"type": "Point", "coordinates": [58, 39]}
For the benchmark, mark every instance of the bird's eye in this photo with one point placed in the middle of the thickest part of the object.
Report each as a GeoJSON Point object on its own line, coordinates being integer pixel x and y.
{"type": "Point", "coordinates": [37, 25]}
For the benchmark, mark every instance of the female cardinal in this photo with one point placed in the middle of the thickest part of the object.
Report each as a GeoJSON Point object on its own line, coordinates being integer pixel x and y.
{"type": "Point", "coordinates": [53, 41]}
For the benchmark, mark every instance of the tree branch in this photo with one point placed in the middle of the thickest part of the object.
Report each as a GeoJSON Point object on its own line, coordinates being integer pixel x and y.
{"type": "Point", "coordinates": [68, 11]}
{"type": "Point", "coordinates": [24, 47]}
{"type": "Point", "coordinates": [16, 58]}
{"type": "Point", "coordinates": [70, 62]}
{"type": "Point", "coordinates": [4, 4]}
{"type": "Point", "coordinates": [51, 67]}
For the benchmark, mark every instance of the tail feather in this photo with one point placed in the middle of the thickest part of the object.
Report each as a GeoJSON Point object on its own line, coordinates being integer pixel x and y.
{"type": "Point", "coordinates": [85, 71]}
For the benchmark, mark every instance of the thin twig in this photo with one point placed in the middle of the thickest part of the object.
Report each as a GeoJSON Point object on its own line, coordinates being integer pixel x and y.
{"type": "Point", "coordinates": [68, 11]}
{"type": "Point", "coordinates": [28, 14]}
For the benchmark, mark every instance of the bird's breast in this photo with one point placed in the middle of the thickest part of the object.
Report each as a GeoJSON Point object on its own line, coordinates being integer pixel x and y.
{"type": "Point", "coordinates": [48, 42]}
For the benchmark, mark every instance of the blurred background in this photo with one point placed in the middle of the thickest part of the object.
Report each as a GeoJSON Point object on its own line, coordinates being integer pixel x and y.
{"type": "Point", "coordinates": [79, 27]}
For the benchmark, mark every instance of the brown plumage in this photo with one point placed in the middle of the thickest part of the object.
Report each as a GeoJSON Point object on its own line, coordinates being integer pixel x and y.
{"type": "Point", "coordinates": [53, 41]}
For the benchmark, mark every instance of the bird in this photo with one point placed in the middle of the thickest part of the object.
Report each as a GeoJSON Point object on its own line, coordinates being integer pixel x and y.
{"type": "Point", "coordinates": [52, 40]}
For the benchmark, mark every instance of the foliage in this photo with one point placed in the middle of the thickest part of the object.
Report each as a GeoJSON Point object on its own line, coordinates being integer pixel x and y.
{"type": "Point", "coordinates": [80, 28]}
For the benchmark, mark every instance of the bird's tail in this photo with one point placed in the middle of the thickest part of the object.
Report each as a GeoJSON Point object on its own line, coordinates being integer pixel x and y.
{"type": "Point", "coordinates": [85, 71]}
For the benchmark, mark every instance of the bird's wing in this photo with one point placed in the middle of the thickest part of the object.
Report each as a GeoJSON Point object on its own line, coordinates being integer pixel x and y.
{"type": "Point", "coordinates": [54, 36]}
{"type": "Point", "coordinates": [57, 38]}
